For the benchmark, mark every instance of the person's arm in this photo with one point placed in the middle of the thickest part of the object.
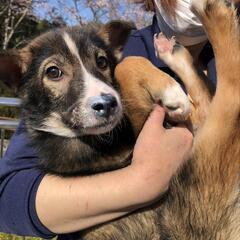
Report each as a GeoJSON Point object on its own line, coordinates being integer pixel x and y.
{"type": "Point", "coordinates": [66, 205]}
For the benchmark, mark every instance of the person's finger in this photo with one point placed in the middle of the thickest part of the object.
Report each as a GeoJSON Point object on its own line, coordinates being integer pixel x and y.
{"type": "Point", "coordinates": [154, 123]}
{"type": "Point", "coordinates": [157, 116]}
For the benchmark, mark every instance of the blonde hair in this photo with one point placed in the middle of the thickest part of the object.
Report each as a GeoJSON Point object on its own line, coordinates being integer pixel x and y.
{"type": "Point", "coordinates": [168, 5]}
{"type": "Point", "coordinates": [149, 5]}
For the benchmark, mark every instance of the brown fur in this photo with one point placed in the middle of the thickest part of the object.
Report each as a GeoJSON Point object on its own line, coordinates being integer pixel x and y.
{"type": "Point", "coordinates": [203, 200]}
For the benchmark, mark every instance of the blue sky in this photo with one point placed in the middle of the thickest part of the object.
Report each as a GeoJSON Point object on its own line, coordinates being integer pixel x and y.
{"type": "Point", "coordinates": [84, 12]}
{"type": "Point", "coordinates": [43, 13]}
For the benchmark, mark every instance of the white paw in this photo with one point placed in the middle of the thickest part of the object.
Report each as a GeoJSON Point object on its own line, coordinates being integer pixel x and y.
{"type": "Point", "coordinates": [176, 103]}
{"type": "Point", "coordinates": [174, 55]}
{"type": "Point", "coordinates": [164, 47]}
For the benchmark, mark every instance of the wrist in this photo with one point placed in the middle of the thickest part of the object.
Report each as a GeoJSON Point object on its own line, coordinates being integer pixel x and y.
{"type": "Point", "coordinates": [148, 183]}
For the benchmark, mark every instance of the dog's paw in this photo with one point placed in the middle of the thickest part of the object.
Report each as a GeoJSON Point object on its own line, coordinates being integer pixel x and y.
{"type": "Point", "coordinates": [176, 103]}
{"type": "Point", "coordinates": [164, 47]}
{"type": "Point", "coordinates": [206, 8]}
{"type": "Point", "coordinates": [217, 17]}
{"type": "Point", "coordinates": [173, 54]}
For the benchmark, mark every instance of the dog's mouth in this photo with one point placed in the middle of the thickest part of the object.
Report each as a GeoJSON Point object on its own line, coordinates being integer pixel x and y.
{"type": "Point", "coordinates": [100, 128]}
{"type": "Point", "coordinates": [56, 126]}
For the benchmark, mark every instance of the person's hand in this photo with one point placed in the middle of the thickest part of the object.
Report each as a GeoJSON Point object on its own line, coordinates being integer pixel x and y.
{"type": "Point", "coordinates": [159, 152]}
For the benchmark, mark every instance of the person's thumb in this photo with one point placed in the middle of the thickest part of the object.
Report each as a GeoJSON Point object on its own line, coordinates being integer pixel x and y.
{"type": "Point", "coordinates": [155, 118]}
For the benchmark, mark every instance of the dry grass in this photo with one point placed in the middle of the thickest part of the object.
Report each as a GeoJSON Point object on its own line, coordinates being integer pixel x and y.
{"type": "Point", "coordinates": [4, 236]}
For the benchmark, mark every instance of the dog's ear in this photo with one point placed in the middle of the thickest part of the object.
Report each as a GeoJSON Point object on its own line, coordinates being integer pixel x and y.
{"type": "Point", "coordinates": [116, 34]}
{"type": "Point", "coordinates": [13, 64]}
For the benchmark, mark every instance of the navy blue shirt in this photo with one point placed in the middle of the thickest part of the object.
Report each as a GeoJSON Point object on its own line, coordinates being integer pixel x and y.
{"type": "Point", "coordinates": [19, 173]}
{"type": "Point", "coordinates": [140, 43]}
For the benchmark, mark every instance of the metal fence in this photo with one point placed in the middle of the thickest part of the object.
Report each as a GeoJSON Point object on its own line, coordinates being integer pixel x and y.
{"type": "Point", "coordinates": [7, 123]}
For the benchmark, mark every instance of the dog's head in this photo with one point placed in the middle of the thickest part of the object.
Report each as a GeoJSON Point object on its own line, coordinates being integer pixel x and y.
{"type": "Point", "coordinates": [68, 78]}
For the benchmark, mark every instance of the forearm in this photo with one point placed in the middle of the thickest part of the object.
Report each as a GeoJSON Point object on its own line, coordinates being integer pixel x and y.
{"type": "Point", "coordinates": [70, 204]}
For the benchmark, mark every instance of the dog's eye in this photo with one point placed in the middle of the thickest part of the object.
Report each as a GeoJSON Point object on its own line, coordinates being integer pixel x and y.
{"type": "Point", "coordinates": [102, 62]}
{"type": "Point", "coordinates": [54, 73]}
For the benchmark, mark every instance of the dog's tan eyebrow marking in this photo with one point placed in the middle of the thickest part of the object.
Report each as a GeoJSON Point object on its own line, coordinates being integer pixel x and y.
{"type": "Point", "coordinates": [74, 50]}
{"type": "Point", "coordinates": [71, 46]}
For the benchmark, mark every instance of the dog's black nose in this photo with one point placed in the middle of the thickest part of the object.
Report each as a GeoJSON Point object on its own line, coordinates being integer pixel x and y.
{"type": "Point", "coordinates": [105, 105]}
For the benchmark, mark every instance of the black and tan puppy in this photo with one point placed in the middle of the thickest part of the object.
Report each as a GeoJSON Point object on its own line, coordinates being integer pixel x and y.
{"type": "Point", "coordinates": [72, 104]}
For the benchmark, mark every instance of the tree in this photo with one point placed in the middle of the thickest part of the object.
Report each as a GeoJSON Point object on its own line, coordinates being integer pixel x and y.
{"type": "Point", "coordinates": [19, 24]}
{"type": "Point", "coordinates": [82, 11]}
{"type": "Point", "coordinates": [13, 12]}
{"type": "Point", "coordinates": [21, 18]}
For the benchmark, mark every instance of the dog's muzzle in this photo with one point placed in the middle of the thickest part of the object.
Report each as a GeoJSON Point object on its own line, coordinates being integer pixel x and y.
{"type": "Point", "coordinates": [98, 114]}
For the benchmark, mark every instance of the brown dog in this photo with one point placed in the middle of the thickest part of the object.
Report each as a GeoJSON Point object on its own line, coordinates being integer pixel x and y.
{"type": "Point", "coordinates": [203, 200]}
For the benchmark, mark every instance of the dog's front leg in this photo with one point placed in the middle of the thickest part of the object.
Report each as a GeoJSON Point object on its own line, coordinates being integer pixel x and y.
{"type": "Point", "coordinates": [198, 85]}
{"type": "Point", "coordinates": [222, 25]}
{"type": "Point", "coordinates": [142, 85]}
